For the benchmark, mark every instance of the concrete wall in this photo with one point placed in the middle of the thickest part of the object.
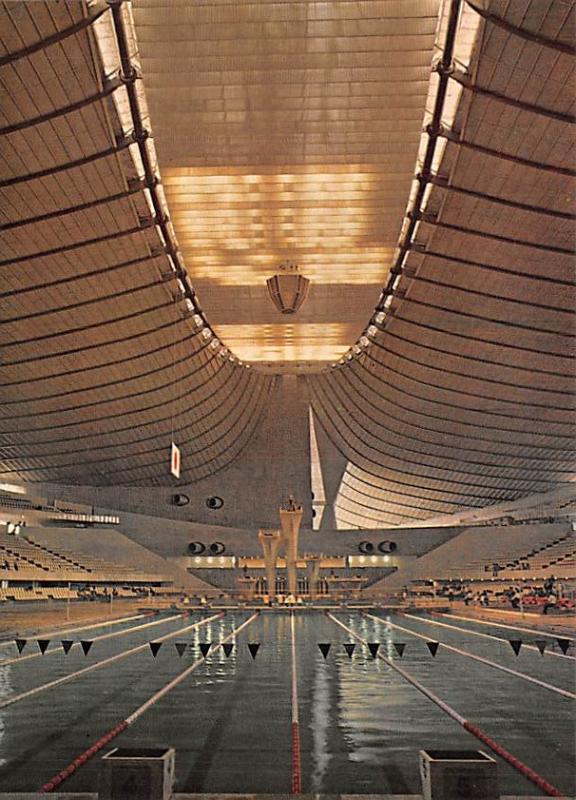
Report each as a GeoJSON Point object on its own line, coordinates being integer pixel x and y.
{"type": "Point", "coordinates": [275, 463]}
{"type": "Point", "coordinates": [169, 538]}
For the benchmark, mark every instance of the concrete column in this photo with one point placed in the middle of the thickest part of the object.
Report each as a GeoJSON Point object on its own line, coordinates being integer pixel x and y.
{"type": "Point", "coordinates": [270, 542]}
{"type": "Point", "coordinates": [313, 570]}
{"type": "Point", "coordinates": [290, 521]}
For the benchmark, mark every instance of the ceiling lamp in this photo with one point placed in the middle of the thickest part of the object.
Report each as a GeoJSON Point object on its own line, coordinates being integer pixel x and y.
{"type": "Point", "coordinates": [288, 289]}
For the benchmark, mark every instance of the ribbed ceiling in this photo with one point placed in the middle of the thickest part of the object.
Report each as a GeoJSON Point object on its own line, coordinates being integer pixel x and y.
{"type": "Point", "coordinates": [274, 122]}
{"type": "Point", "coordinates": [287, 131]}
{"type": "Point", "coordinates": [464, 398]}
{"type": "Point", "coordinates": [103, 352]}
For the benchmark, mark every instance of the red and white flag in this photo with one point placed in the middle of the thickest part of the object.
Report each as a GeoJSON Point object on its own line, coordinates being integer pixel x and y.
{"type": "Point", "coordinates": [175, 460]}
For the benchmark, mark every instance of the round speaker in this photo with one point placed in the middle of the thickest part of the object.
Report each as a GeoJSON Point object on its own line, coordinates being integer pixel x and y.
{"type": "Point", "coordinates": [196, 548]}
{"type": "Point", "coordinates": [366, 547]}
{"type": "Point", "coordinates": [387, 547]}
{"type": "Point", "coordinates": [214, 502]}
{"type": "Point", "coordinates": [217, 548]}
{"type": "Point", "coordinates": [180, 499]}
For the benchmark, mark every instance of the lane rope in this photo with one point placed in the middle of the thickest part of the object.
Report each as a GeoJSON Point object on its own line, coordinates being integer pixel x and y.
{"type": "Point", "coordinates": [485, 635]}
{"type": "Point", "coordinates": [52, 650]}
{"type": "Point", "coordinates": [533, 631]}
{"type": "Point", "coordinates": [16, 698]}
{"type": "Point", "coordinates": [518, 765]}
{"type": "Point", "coordinates": [296, 786]}
{"type": "Point", "coordinates": [480, 659]}
{"type": "Point", "coordinates": [78, 762]}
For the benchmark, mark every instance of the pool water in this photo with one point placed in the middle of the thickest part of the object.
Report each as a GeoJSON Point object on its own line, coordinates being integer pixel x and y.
{"type": "Point", "coordinates": [361, 724]}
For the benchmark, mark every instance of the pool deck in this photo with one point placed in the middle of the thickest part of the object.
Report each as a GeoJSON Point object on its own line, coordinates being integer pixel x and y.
{"type": "Point", "coordinates": [28, 619]}
{"type": "Point", "coordinates": [550, 623]}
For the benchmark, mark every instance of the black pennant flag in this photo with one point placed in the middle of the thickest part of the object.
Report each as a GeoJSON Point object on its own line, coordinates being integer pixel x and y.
{"type": "Point", "coordinates": [181, 647]}
{"type": "Point", "coordinates": [563, 644]}
{"type": "Point", "coordinates": [433, 647]}
{"type": "Point", "coordinates": [253, 647]}
{"type": "Point", "coordinates": [155, 647]}
{"type": "Point", "coordinates": [86, 647]}
{"type": "Point", "coordinates": [373, 647]}
{"type": "Point", "coordinates": [324, 648]}
{"type": "Point", "coordinates": [227, 647]}
{"type": "Point", "coordinates": [43, 645]}
{"type": "Point", "coordinates": [21, 644]}
{"type": "Point", "coordinates": [204, 648]}
{"type": "Point", "coordinates": [515, 644]}
{"type": "Point", "coordinates": [66, 645]}
{"type": "Point", "coordinates": [399, 647]}
{"type": "Point", "coordinates": [541, 645]}
{"type": "Point", "coordinates": [349, 647]}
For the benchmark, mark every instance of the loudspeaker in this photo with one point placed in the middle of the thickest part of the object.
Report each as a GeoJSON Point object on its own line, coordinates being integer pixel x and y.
{"type": "Point", "coordinates": [180, 499]}
{"type": "Point", "coordinates": [214, 502]}
{"type": "Point", "coordinates": [217, 548]}
{"type": "Point", "coordinates": [366, 547]}
{"type": "Point", "coordinates": [196, 548]}
{"type": "Point", "coordinates": [387, 547]}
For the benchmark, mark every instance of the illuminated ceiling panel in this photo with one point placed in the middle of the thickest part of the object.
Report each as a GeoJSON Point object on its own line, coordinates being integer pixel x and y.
{"type": "Point", "coordinates": [287, 132]}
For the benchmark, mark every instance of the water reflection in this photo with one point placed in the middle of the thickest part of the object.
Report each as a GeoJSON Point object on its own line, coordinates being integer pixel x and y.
{"type": "Point", "coordinates": [319, 724]}
{"type": "Point", "coordinates": [6, 689]}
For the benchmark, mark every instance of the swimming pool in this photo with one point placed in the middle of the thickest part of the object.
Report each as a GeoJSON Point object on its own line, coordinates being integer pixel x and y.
{"type": "Point", "coordinates": [361, 723]}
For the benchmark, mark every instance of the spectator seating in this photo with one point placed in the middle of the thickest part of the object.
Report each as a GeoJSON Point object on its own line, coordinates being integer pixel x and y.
{"type": "Point", "coordinates": [21, 557]}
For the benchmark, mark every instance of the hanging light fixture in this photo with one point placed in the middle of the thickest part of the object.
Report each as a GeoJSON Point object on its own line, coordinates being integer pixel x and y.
{"type": "Point", "coordinates": [288, 289]}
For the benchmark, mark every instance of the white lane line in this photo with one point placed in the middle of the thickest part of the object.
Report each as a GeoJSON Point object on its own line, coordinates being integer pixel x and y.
{"type": "Point", "coordinates": [485, 635]}
{"type": "Point", "coordinates": [179, 678]}
{"type": "Point", "coordinates": [16, 698]}
{"type": "Point", "coordinates": [78, 762]}
{"type": "Point", "coordinates": [476, 731]}
{"type": "Point", "coordinates": [57, 649]}
{"type": "Point", "coordinates": [481, 660]}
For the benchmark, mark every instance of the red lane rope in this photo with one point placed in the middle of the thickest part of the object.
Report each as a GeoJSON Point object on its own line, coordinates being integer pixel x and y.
{"type": "Point", "coordinates": [296, 786]}
{"type": "Point", "coordinates": [522, 768]}
{"type": "Point", "coordinates": [64, 774]}
{"type": "Point", "coordinates": [519, 765]}
{"type": "Point", "coordinates": [296, 764]}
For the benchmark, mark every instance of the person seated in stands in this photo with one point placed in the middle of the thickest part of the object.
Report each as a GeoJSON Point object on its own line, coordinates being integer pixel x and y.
{"type": "Point", "coordinates": [484, 599]}
{"type": "Point", "coordinates": [468, 597]}
{"type": "Point", "coordinates": [515, 599]}
{"type": "Point", "coordinates": [549, 585]}
{"type": "Point", "coordinates": [290, 600]}
{"type": "Point", "coordinates": [551, 602]}
{"type": "Point", "coordinates": [204, 600]}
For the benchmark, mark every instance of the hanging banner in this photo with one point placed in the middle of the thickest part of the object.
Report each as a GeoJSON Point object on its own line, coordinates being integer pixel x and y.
{"type": "Point", "coordinates": [175, 460]}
